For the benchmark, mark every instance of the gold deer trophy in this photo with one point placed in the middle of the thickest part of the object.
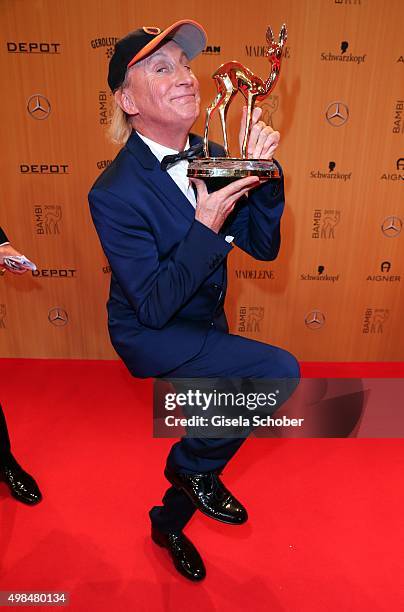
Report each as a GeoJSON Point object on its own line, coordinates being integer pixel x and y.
{"type": "Point", "coordinates": [230, 78]}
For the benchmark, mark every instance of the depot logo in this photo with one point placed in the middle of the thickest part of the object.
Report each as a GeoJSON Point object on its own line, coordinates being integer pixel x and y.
{"type": "Point", "coordinates": [44, 169]}
{"type": "Point", "coordinates": [55, 273]}
{"type": "Point", "coordinates": [48, 48]}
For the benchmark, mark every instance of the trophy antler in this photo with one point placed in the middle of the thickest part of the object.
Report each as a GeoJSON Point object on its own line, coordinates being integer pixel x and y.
{"type": "Point", "coordinates": [233, 77]}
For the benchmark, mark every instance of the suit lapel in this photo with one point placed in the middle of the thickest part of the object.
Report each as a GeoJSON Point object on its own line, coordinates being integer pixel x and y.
{"type": "Point", "coordinates": [160, 178]}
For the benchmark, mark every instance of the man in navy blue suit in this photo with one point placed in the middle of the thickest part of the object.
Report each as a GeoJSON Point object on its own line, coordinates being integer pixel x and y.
{"type": "Point", "coordinates": [167, 248]}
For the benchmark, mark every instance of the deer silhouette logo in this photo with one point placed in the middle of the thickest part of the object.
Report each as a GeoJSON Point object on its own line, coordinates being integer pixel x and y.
{"type": "Point", "coordinates": [232, 77]}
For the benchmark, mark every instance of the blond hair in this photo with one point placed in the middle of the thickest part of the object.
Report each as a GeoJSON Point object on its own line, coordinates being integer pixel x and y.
{"type": "Point", "coordinates": [121, 123]}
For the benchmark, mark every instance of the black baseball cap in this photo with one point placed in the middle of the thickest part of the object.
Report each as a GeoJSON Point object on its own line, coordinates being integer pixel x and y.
{"type": "Point", "coordinates": [188, 34]}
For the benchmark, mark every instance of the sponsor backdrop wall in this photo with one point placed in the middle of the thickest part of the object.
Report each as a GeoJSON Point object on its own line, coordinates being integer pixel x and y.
{"type": "Point", "coordinates": [336, 290]}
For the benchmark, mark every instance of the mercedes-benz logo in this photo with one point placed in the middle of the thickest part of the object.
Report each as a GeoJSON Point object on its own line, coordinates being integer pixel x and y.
{"type": "Point", "coordinates": [392, 226]}
{"type": "Point", "coordinates": [58, 317]}
{"type": "Point", "coordinates": [314, 319]}
{"type": "Point", "coordinates": [337, 114]}
{"type": "Point", "coordinates": [38, 107]}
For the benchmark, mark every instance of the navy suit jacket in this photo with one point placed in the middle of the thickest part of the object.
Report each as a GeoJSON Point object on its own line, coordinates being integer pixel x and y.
{"type": "Point", "coordinates": [169, 279]}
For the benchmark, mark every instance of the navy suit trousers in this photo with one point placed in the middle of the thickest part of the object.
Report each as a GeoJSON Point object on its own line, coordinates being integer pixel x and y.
{"type": "Point", "coordinates": [223, 355]}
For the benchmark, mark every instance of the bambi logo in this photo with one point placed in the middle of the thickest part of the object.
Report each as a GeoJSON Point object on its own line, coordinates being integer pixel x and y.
{"type": "Point", "coordinates": [392, 226]}
{"type": "Point", "coordinates": [314, 319]}
{"type": "Point", "coordinates": [374, 320]}
{"type": "Point", "coordinates": [255, 316]}
{"type": "Point", "coordinates": [38, 107]}
{"type": "Point", "coordinates": [58, 317]}
{"type": "Point", "coordinates": [269, 108]}
{"type": "Point", "coordinates": [337, 114]}
{"type": "Point", "coordinates": [3, 313]}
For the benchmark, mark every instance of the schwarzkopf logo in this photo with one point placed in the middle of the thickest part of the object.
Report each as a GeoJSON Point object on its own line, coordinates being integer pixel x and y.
{"type": "Point", "coordinates": [320, 174]}
{"type": "Point", "coordinates": [337, 114]}
{"type": "Point", "coordinates": [250, 318]}
{"type": "Point", "coordinates": [392, 226]}
{"type": "Point", "coordinates": [333, 278]}
{"type": "Point", "coordinates": [329, 56]}
{"type": "Point", "coordinates": [262, 50]}
{"type": "Point", "coordinates": [107, 42]}
{"type": "Point", "coordinates": [398, 117]}
{"type": "Point", "coordinates": [395, 176]}
{"type": "Point", "coordinates": [3, 312]}
{"type": "Point", "coordinates": [47, 219]}
{"type": "Point", "coordinates": [211, 50]}
{"type": "Point", "coordinates": [33, 47]}
{"type": "Point", "coordinates": [58, 317]}
{"type": "Point", "coordinates": [324, 223]}
{"type": "Point", "coordinates": [56, 169]}
{"type": "Point", "coordinates": [315, 319]}
{"type": "Point", "coordinates": [105, 107]}
{"type": "Point", "coordinates": [269, 108]}
{"type": "Point", "coordinates": [255, 274]}
{"type": "Point", "coordinates": [374, 320]}
{"type": "Point", "coordinates": [348, 2]}
{"type": "Point", "coordinates": [38, 107]}
{"type": "Point", "coordinates": [385, 267]}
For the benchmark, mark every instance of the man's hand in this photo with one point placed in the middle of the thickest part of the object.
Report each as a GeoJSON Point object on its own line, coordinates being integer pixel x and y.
{"type": "Point", "coordinates": [8, 251]}
{"type": "Point", "coordinates": [263, 140]}
{"type": "Point", "coordinates": [212, 209]}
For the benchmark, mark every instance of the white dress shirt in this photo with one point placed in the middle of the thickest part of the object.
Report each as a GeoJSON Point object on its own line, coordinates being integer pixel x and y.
{"type": "Point", "coordinates": [178, 172]}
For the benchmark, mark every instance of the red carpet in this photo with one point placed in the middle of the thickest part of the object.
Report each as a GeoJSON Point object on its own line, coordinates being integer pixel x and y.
{"type": "Point", "coordinates": [326, 516]}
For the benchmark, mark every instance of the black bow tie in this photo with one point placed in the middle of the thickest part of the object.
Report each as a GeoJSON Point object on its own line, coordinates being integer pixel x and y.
{"type": "Point", "coordinates": [191, 153]}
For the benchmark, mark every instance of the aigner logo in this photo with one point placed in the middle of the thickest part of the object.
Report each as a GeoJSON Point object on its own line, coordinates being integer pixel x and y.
{"type": "Point", "coordinates": [250, 318]}
{"type": "Point", "coordinates": [329, 56]}
{"type": "Point", "coordinates": [392, 226]}
{"type": "Point", "coordinates": [3, 312]}
{"type": "Point", "coordinates": [337, 114]}
{"type": "Point", "coordinates": [320, 174]}
{"type": "Point", "coordinates": [58, 317]}
{"type": "Point", "coordinates": [38, 107]}
{"type": "Point", "coordinates": [33, 47]}
{"type": "Point", "coordinates": [395, 176]}
{"type": "Point", "coordinates": [324, 223]}
{"type": "Point", "coordinates": [385, 267]}
{"type": "Point", "coordinates": [374, 320]}
{"type": "Point", "coordinates": [315, 319]}
{"type": "Point", "coordinates": [47, 219]}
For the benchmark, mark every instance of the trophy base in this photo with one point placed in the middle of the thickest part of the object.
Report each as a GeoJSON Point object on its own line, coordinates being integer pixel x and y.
{"type": "Point", "coordinates": [232, 168]}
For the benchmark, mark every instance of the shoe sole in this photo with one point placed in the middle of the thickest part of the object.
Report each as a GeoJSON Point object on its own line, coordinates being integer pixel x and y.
{"type": "Point", "coordinates": [178, 486]}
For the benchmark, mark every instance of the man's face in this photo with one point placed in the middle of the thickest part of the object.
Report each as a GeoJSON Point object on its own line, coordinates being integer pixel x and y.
{"type": "Point", "coordinates": [164, 89]}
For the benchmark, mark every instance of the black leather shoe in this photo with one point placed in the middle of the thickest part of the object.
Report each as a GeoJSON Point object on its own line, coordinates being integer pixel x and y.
{"type": "Point", "coordinates": [186, 558]}
{"type": "Point", "coordinates": [209, 495]}
{"type": "Point", "coordinates": [22, 486]}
